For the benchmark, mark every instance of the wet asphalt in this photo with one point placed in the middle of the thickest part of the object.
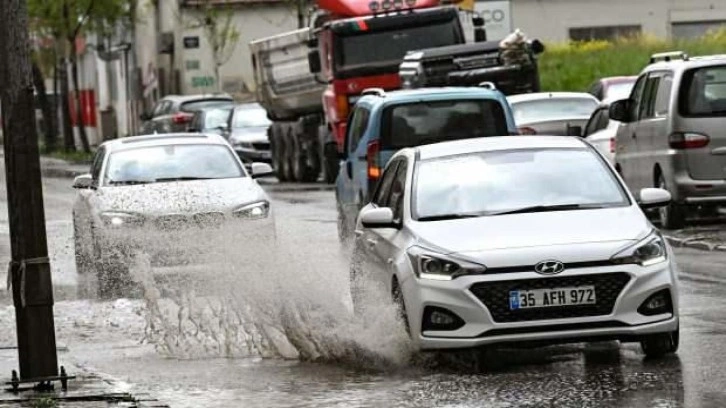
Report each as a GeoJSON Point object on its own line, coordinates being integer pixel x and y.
{"type": "Point", "coordinates": [106, 339]}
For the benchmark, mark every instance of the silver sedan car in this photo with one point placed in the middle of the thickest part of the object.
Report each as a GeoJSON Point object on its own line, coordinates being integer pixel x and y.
{"type": "Point", "coordinates": [492, 240]}
{"type": "Point", "coordinates": [173, 198]}
{"type": "Point", "coordinates": [552, 113]}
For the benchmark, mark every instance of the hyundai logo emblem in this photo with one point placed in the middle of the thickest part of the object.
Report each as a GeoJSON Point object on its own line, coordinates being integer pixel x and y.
{"type": "Point", "coordinates": [549, 267]}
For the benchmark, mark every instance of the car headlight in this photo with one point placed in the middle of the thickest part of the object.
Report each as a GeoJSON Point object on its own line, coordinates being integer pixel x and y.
{"type": "Point", "coordinates": [253, 211]}
{"type": "Point", "coordinates": [430, 265]}
{"type": "Point", "coordinates": [119, 219]}
{"type": "Point", "coordinates": [647, 252]}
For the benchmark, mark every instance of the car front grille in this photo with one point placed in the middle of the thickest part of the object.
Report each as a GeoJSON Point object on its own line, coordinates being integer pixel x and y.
{"type": "Point", "coordinates": [495, 296]}
{"type": "Point", "coordinates": [181, 221]}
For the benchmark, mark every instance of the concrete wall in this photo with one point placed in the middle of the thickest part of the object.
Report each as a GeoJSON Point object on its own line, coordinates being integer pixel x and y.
{"type": "Point", "coordinates": [252, 22]}
{"type": "Point", "coordinates": [551, 20]}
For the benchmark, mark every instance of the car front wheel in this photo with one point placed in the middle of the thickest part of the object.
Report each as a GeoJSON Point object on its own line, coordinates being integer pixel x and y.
{"type": "Point", "coordinates": [658, 345]}
{"type": "Point", "coordinates": [672, 216]}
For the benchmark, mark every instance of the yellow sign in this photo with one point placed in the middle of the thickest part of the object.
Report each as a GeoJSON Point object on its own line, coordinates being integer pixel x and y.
{"type": "Point", "coordinates": [466, 5]}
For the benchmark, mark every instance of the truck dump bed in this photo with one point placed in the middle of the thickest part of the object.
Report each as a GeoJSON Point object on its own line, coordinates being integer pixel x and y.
{"type": "Point", "coordinates": [285, 86]}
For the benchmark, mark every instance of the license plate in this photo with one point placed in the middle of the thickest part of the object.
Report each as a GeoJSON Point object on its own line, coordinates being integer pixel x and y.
{"type": "Point", "coordinates": [573, 296]}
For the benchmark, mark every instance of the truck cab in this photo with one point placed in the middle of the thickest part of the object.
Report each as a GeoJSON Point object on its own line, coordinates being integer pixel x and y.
{"type": "Point", "coordinates": [353, 54]}
{"type": "Point", "coordinates": [382, 123]}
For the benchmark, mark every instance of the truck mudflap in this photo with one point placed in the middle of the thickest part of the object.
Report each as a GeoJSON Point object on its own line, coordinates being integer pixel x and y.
{"type": "Point", "coordinates": [510, 79]}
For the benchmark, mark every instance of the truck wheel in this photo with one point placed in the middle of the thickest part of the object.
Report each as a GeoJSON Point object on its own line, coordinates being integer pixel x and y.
{"type": "Point", "coordinates": [288, 157]}
{"type": "Point", "coordinates": [303, 173]}
{"type": "Point", "coordinates": [331, 163]}
{"type": "Point", "coordinates": [277, 146]}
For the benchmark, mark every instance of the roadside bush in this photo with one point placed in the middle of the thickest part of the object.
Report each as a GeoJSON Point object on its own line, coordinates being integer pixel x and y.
{"type": "Point", "coordinates": [574, 66]}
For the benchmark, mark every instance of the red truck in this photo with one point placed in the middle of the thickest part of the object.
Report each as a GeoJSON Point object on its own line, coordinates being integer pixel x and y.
{"type": "Point", "coordinates": [351, 45]}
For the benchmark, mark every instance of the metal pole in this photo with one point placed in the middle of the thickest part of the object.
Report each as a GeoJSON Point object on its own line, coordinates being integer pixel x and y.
{"type": "Point", "coordinates": [29, 270]}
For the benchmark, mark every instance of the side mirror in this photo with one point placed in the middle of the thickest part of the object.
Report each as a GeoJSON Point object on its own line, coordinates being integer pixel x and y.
{"type": "Point", "coordinates": [261, 170]}
{"type": "Point", "coordinates": [84, 181]}
{"type": "Point", "coordinates": [574, 130]}
{"type": "Point", "coordinates": [620, 111]}
{"type": "Point", "coordinates": [378, 218]}
{"type": "Point", "coordinates": [653, 198]}
{"type": "Point", "coordinates": [477, 21]}
{"type": "Point", "coordinates": [480, 34]}
{"type": "Point", "coordinates": [314, 61]}
{"type": "Point", "coordinates": [537, 47]}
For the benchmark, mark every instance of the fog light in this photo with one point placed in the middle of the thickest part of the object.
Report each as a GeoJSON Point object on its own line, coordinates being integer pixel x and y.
{"type": "Point", "coordinates": [438, 318]}
{"type": "Point", "coordinates": [657, 303]}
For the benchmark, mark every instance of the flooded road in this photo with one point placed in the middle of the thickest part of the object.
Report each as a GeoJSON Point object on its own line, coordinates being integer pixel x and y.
{"type": "Point", "coordinates": [298, 346]}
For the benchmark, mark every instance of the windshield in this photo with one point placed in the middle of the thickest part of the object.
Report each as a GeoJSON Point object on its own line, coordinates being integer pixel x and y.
{"type": "Point", "coordinates": [619, 90]}
{"type": "Point", "coordinates": [216, 118]}
{"type": "Point", "coordinates": [364, 49]}
{"type": "Point", "coordinates": [171, 163]}
{"type": "Point", "coordinates": [483, 184]}
{"type": "Point", "coordinates": [552, 109]}
{"type": "Point", "coordinates": [703, 92]}
{"type": "Point", "coordinates": [420, 123]}
{"type": "Point", "coordinates": [250, 117]}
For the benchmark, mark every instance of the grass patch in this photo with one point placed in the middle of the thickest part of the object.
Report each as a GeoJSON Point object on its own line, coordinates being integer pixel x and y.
{"type": "Point", "coordinates": [574, 66]}
{"type": "Point", "coordinates": [76, 157]}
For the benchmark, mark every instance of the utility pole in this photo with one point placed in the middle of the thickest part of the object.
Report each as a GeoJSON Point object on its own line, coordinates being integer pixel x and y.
{"type": "Point", "coordinates": [29, 271]}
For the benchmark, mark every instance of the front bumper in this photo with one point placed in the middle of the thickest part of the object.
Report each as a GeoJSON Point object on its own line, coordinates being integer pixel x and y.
{"type": "Point", "coordinates": [623, 322]}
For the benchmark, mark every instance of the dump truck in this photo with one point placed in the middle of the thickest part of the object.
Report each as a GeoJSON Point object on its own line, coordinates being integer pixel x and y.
{"type": "Point", "coordinates": [309, 79]}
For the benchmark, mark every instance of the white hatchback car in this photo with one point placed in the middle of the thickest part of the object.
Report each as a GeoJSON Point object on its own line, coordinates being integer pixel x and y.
{"type": "Point", "coordinates": [516, 239]}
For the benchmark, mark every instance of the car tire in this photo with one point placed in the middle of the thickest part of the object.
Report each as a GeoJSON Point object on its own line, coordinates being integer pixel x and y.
{"type": "Point", "coordinates": [303, 173]}
{"type": "Point", "coordinates": [289, 157]}
{"type": "Point", "coordinates": [400, 304]}
{"type": "Point", "coordinates": [672, 216]}
{"type": "Point", "coordinates": [112, 275]}
{"type": "Point", "coordinates": [658, 345]}
{"type": "Point", "coordinates": [331, 163]}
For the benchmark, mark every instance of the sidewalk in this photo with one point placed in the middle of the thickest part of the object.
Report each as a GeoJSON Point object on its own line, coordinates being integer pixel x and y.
{"type": "Point", "coordinates": [87, 390]}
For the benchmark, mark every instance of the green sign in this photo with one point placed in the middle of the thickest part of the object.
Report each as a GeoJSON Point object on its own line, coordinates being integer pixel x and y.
{"type": "Point", "coordinates": [202, 82]}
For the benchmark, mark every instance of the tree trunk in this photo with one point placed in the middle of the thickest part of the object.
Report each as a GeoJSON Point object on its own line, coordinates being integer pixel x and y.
{"type": "Point", "coordinates": [79, 107]}
{"type": "Point", "coordinates": [54, 103]}
{"type": "Point", "coordinates": [216, 77]}
{"type": "Point", "coordinates": [300, 13]}
{"type": "Point", "coordinates": [69, 142]}
{"type": "Point", "coordinates": [45, 108]}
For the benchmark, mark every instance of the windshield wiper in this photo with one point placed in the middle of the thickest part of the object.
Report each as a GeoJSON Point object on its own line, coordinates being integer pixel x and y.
{"type": "Point", "coordinates": [128, 182]}
{"type": "Point", "coordinates": [444, 217]}
{"type": "Point", "coordinates": [546, 208]}
{"type": "Point", "coordinates": [163, 179]}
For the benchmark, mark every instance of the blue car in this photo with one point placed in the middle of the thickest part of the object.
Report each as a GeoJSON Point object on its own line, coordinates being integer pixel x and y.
{"type": "Point", "coordinates": [383, 123]}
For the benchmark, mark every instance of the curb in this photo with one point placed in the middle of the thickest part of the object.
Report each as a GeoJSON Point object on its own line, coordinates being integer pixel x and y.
{"type": "Point", "coordinates": [702, 245]}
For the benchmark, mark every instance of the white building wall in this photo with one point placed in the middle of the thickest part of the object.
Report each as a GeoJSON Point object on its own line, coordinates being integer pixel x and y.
{"type": "Point", "coordinates": [550, 20]}
{"type": "Point", "coordinates": [252, 22]}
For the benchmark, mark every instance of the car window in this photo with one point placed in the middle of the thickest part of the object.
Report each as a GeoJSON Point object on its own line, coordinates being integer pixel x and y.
{"type": "Point", "coordinates": [398, 187]}
{"type": "Point", "coordinates": [250, 117]}
{"type": "Point", "coordinates": [159, 108]}
{"type": "Point", "coordinates": [357, 127]}
{"type": "Point", "coordinates": [647, 106]}
{"type": "Point", "coordinates": [663, 95]}
{"type": "Point", "coordinates": [414, 124]}
{"type": "Point", "coordinates": [380, 198]}
{"type": "Point", "coordinates": [594, 122]}
{"type": "Point", "coordinates": [603, 120]}
{"type": "Point", "coordinates": [170, 163]}
{"type": "Point", "coordinates": [215, 118]}
{"type": "Point", "coordinates": [483, 184]}
{"type": "Point", "coordinates": [192, 106]}
{"type": "Point", "coordinates": [636, 96]}
{"type": "Point", "coordinates": [553, 108]}
{"type": "Point", "coordinates": [98, 163]}
{"type": "Point", "coordinates": [703, 92]}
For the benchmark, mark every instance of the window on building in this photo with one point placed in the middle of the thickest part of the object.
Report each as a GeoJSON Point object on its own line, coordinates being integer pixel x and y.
{"type": "Point", "coordinates": [603, 32]}
{"type": "Point", "coordinates": [695, 29]}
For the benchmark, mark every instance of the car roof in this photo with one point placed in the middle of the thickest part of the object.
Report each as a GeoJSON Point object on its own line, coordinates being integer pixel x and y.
{"type": "Point", "coordinates": [428, 94]}
{"type": "Point", "coordinates": [198, 97]}
{"type": "Point", "coordinates": [164, 139]}
{"type": "Point", "coordinates": [496, 143]}
{"type": "Point", "coordinates": [548, 95]}
{"type": "Point", "coordinates": [618, 79]}
{"type": "Point", "coordinates": [691, 62]}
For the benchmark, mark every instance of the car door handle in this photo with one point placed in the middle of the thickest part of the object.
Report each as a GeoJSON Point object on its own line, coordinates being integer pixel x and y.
{"type": "Point", "coordinates": [635, 136]}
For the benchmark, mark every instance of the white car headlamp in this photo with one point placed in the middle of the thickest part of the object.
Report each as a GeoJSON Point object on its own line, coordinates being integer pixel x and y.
{"type": "Point", "coordinates": [647, 252]}
{"type": "Point", "coordinates": [430, 265]}
{"type": "Point", "coordinates": [253, 211]}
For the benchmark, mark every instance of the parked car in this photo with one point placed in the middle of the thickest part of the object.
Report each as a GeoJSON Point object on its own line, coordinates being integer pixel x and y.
{"type": "Point", "coordinates": [248, 133]}
{"type": "Point", "coordinates": [612, 88]}
{"type": "Point", "coordinates": [552, 113]}
{"type": "Point", "coordinates": [211, 120]}
{"type": "Point", "coordinates": [173, 113]}
{"type": "Point", "coordinates": [673, 135]}
{"type": "Point", "coordinates": [600, 131]}
{"type": "Point", "coordinates": [383, 123]}
{"type": "Point", "coordinates": [492, 240]}
{"type": "Point", "coordinates": [157, 195]}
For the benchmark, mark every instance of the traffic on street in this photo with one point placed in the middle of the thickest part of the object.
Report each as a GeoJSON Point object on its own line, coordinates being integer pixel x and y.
{"type": "Point", "coordinates": [397, 211]}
